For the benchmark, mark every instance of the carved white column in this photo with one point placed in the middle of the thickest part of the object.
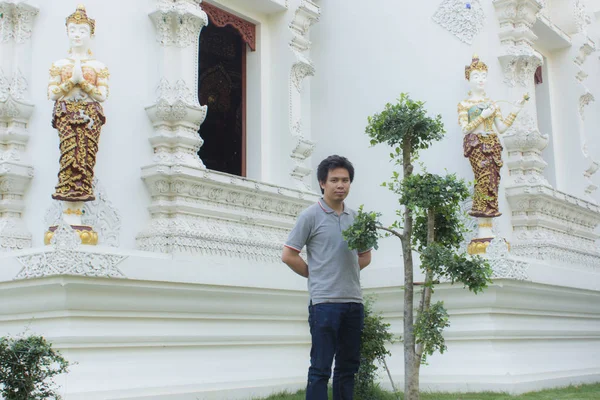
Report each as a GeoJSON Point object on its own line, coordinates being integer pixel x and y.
{"type": "Point", "coordinates": [524, 142]}
{"type": "Point", "coordinates": [176, 114]}
{"type": "Point", "coordinates": [16, 171]}
{"type": "Point", "coordinates": [306, 15]}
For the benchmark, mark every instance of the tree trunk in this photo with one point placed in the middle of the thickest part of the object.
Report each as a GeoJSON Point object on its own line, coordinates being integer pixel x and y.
{"type": "Point", "coordinates": [426, 295]}
{"type": "Point", "coordinates": [411, 374]}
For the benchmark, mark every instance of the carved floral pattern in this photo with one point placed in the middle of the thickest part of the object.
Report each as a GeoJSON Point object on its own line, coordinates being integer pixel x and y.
{"type": "Point", "coordinates": [301, 70]}
{"type": "Point", "coordinates": [217, 214]}
{"type": "Point", "coordinates": [178, 22]}
{"type": "Point", "coordinates": [13, 235]}
{"type": "Point", "coordinates": [100, 214]}
{"type": "Point", "coordinates": [584, 100]}
{"type": "Point", "coordinates": [16, 22]}
{"type": "Point", "coordinates": [67, 258]}
{"type": "Point", "coordinates": [221, 18]}
{"type": "Point", "coordinates": [464, 19]}
{"type": "Point", "coordinates": [210, 236]}
{"type": "Point", "coordinates": [503, 265]}
{"type": "Point", "coordinates": [551, 225]}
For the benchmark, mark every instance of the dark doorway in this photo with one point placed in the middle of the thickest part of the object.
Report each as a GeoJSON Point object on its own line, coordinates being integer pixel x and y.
{"type": "Point", "coordinates": [221, 87]}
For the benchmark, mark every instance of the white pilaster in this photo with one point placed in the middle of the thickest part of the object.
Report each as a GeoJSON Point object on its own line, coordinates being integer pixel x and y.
{"type": "Point", "coordinates": [16, 171]}
{"type": "Point", "coordinates": [305, 16]}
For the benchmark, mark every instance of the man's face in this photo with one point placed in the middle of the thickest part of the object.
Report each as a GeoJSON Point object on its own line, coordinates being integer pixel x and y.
{"type": "Point", "coordinates": [337, 185]}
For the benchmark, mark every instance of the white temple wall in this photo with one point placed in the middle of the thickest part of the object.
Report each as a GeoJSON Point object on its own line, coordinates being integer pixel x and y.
{"type": "Point", "coordinates": [212, 306]}
{"type": "Point", "coordinates": [362, 67]}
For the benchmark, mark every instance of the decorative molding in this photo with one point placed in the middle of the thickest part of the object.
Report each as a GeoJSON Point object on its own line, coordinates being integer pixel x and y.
{"type": "Point", "coordinates": [504, 265]}
{"type": "Point", "coordinates": [100, 214]}
{"type": "Point", "coordinates": [103, 216]}
{"type": "Point", "coordinates": [67, 258]}
{"type": "Point", "coordinates": [301, 70]}
{"type": "Point", "coordinates": [464, 19]}
{"type": "Point", "coordinates": [584, 100]}
{"type": "Point", "coordinates": [17, 21]}
{"type": "Point", "coordinates": [215, 213]}
{"type": "Point", "coordinates": [176, 117]}
{"type": "Point", "coordinates": [590, 168]}
{"type": "Point", "coordinates": [178, 22]}
{"type": "Point", "coordinates": [524, 144]}
{"type": "Point", "coordinates": [551, 225]}
{"type": "Point", "coordinates": [222, 18]}
{"type": "Point", "coordinates": [305, 16]}
{"type": "Point", "coordinates": [582, 18]}
{"type": "Point", "coordinates": [519, 67]}
{"type": "Point", "coordinates": [518, 58]}
{"type": "Point", "coordinates": [212, 236]}
{"type": "Point", "coordinates": [13, 234]}
{"type": "Point", "coordinates": [544, 11]}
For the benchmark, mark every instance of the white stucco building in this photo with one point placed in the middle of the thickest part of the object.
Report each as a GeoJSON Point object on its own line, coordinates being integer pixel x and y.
{"type": "Point", "coordinates": [185, 295]}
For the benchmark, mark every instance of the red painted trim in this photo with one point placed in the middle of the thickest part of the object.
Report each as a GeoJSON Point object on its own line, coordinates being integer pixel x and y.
{"type": "Point", "coordinates": [290, 247]}
{"type": "Point", "coordinates": [244, 111]}
{"type": "Point", "coordinates": [221, 18]}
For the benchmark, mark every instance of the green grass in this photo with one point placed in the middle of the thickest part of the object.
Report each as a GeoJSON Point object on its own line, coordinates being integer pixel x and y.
{"type": "Point", "coordinates": [580, 392]}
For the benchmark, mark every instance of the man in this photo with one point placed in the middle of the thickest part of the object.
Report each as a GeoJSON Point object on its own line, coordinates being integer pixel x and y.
{"type": "Point", "coordinates": [336, 311]}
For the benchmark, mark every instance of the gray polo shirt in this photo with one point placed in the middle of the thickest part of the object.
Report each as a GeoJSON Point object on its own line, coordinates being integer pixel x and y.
{"type": "Point", "coordinates": [333, 270]}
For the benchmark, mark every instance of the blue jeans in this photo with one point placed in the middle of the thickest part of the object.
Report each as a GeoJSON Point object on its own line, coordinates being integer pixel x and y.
{"type": "Point", "coordinates": [336, 329]}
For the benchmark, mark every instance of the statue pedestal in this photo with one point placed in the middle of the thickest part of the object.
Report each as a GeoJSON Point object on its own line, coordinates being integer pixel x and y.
{"type": "Point", "coordinates": [72, 215]}
{"type": "Point", "coordinates": [484, 237]}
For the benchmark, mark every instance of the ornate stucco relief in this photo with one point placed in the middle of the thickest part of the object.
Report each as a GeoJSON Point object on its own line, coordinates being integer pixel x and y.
{"type": "Point", "coordinates": [464, 19]}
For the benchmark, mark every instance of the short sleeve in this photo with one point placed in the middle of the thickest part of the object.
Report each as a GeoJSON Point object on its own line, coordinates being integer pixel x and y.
{"type": "Point", "coordinates": [300, 233]}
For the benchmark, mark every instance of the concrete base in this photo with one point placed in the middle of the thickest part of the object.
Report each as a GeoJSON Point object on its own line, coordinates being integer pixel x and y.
{"type": "Point", "coordinates": [181, 328]}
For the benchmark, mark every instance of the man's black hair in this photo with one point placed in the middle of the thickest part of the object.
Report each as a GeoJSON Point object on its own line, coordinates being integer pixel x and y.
{"type": "Point", "coordinates": [333, 162]}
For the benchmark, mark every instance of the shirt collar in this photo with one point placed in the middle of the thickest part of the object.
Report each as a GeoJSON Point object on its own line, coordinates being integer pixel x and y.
{"type": "Point", "coordinates": [328, 209]}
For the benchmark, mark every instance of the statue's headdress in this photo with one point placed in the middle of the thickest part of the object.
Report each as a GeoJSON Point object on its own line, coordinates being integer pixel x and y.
{"type": "Point", "coordinates": [80, 17]}
{"type": "Point", "coordinates": [476, 65]}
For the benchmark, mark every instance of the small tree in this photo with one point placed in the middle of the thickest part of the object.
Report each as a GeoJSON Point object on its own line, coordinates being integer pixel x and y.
{"type": "Point", "coordinates": [430, 225]}
{"type": "Point", "coordinates": [375, 336]}
{"type": "Point", "coordinates": [27, 366]}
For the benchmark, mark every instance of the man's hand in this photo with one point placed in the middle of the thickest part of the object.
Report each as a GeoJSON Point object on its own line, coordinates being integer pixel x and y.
{"type": "Point", "coordinates": [293, 260]}
{"type": "Point", "coordinates": [364, 259]}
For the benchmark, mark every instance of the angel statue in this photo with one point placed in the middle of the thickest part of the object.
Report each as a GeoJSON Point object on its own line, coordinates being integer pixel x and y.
{"type": "Point", "coordinates": [78, 84]}
{"type": "Point", "coordinates": [480, 118]}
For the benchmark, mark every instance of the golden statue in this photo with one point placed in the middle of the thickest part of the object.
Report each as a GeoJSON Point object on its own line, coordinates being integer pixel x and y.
{"type": "Point", "coordinates": [78, 84]}
{"type": "Point", "coordinates": [480, 118]}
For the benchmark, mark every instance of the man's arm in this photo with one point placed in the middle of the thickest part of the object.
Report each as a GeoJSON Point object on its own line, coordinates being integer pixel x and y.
{"type": "Point", "coordinates": [293, 260]}
{"type": "Point", "coordinates": [364, 259]}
